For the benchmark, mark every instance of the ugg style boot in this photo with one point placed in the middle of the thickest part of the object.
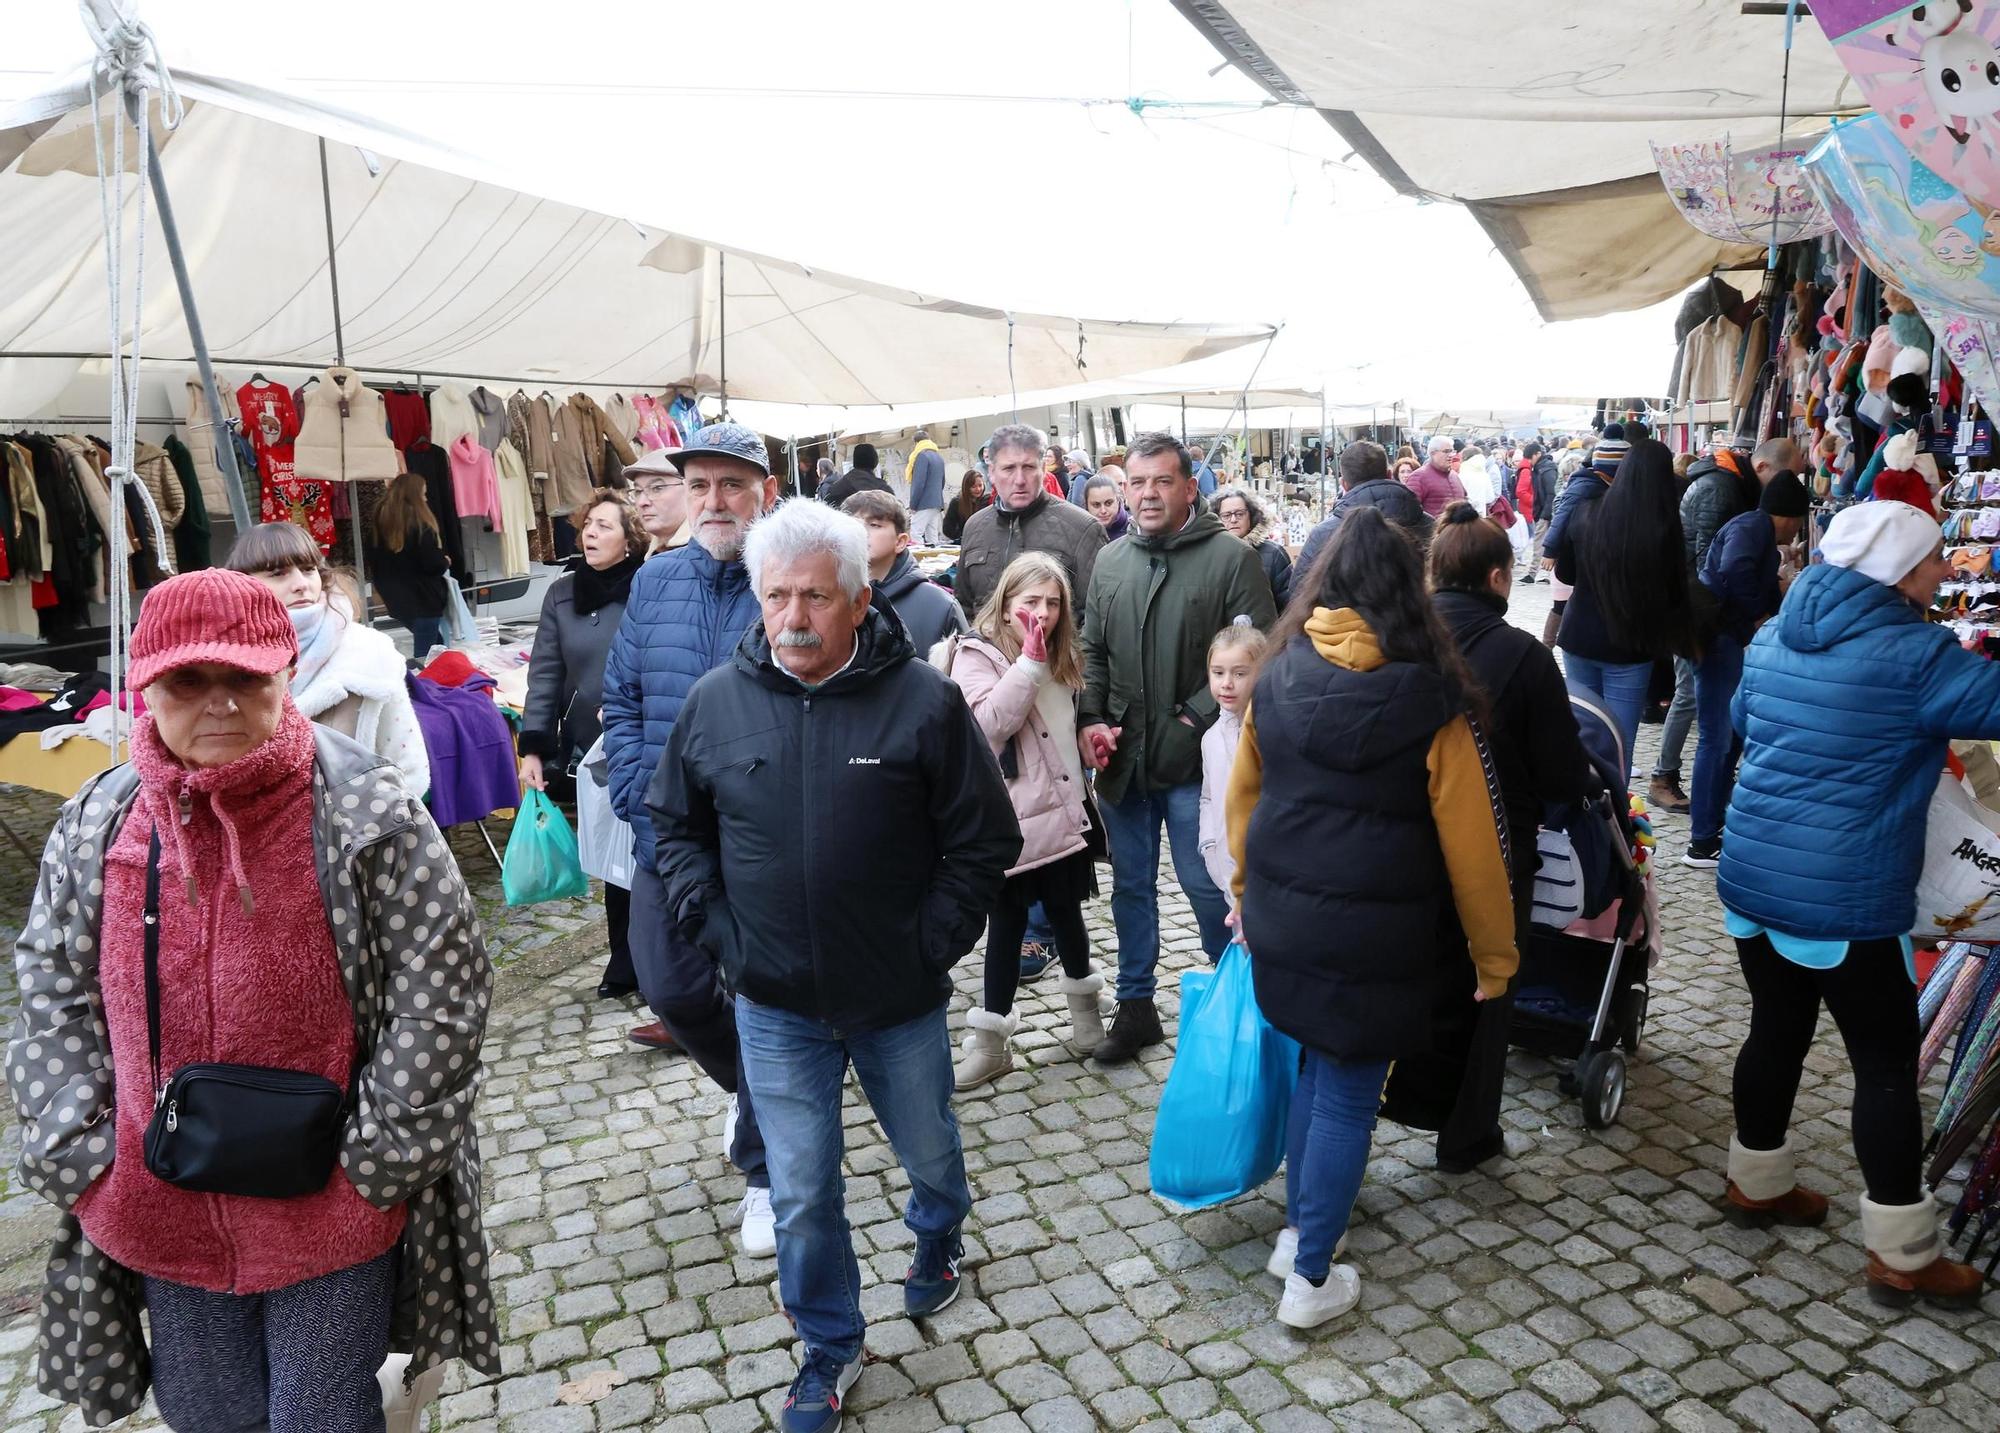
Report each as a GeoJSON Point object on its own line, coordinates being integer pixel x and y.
{"type": "Point", "coordinates": [1086, 1019]}
{"type": "Point", "coordinates": [403, 1409]}
{"type": "Point", "coordinates": [1764, 1190]}
{"type": "Point", "coordinates": [1906, 1259]}
{"type": "Point", "coordinates": [1136, 1026]}
{"type": "Point", "coordinates": [987, 1056]}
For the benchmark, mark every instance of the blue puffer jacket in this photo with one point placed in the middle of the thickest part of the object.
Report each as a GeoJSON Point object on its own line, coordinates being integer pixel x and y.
{"type": "Point", "coordinates": [683, 619]}
{"type": "Point", "coordinates": [1847, 700]}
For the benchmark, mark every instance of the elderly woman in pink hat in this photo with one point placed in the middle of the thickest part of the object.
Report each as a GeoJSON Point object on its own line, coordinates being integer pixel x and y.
{"type": "Point", "coordinates": [253, 992]}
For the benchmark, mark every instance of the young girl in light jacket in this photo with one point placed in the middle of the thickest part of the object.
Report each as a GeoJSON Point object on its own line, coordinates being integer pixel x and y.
{"type": "Point", "coordinates": [1232, 671]}
{"type": "Point", "coordinates": [1021, 668]}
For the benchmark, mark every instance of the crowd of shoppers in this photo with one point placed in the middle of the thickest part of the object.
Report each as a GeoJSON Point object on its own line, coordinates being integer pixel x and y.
{"type": "Point", "coordinates": [839, 774]}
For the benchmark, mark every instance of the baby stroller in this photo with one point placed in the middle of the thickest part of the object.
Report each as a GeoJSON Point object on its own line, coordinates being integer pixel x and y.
{"type": "Point", "coordinates": [1582, 989]}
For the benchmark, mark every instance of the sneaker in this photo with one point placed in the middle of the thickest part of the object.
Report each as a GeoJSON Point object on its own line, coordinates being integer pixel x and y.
{"type": "Point", "coordinates": [932, 1282]}
{"type": "Point", "coordinates": [813, 1403]}
{"type": "Point", "coordinates": [1664, 793]}
{"type": "Point", "coordinates": [1285, 1248]}
{"type": "Point", "coordinates": [757, 1226]}
{"type": "Point", "coordinates": [1703, 855]}
{"type": "Point", "coordinates": [1035, 958]}
{"type": "Point", "coordinates": [1306, 1307]}
{"type": "Point", "coordinates": [729, 1113]}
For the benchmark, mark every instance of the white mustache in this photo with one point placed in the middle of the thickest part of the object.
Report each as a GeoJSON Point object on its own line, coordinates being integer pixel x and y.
{"type": "Point", "coordinates": [790, 638]}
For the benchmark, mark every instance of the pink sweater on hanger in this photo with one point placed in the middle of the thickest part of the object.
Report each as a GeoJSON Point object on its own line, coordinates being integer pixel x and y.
{"type": "Point", "coordinates": [475, 483]}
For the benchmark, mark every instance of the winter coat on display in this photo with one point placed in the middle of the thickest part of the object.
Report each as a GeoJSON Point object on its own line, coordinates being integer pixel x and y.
{"type": "Point", "coordinates": [1047, 788]}
{"type": "Point", "coordinates": [191, 532]}
{"type": "Point", "coordinates": [1435, 489]}
{"type": "Point", "coordinates": [582, 433]}
{"type": "Point", "coordinates": [1155, 605]}
{"type": "Point", "coordinates": [374, 850]}
{"type": "Point", "coordinates": [203, 435]}
{"type": "Point", "coordinates": [683, 618]}
{"type": "Point", "coordinates": [995, 536]}
{"type": "Point", "coordinates": [343, 433]}
{"type": "Point", "coordinates": [580, 615]}
{"type": "Point", "coordinates": [517, 508]}
{"type": "Point", "coordinates": [154, 468]}
{"type": "Point", "coordinates": [528, 424]}
{"type": "Point", "coordinates": [926, 477]}
{"type": "Point", "coordinates": [835, 850]}
{"type": "Point", "coordinates": [623, 417]}
{"type": "Point", "coordinates": [1530, 729]}
{"type": "Point", "coordinates": [1367, 832]}
{"type": "Point", "coordinates": [411, 582]}
{"type": "Point", "coordinates": [927, 611]}
{"type": "Point", "coordinates": [360, 694]}
{"type": "Point", "coordinates": [1741, 569]}
{"type": "Point", "coordinates": [1716, 492]}
{"type": "Point", "coordinates": [1846, 706]}
{"type": "Point", "coordinates": [1398, 504]}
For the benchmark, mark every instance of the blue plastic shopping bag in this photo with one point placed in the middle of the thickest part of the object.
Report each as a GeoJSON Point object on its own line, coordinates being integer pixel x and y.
{"type": "Point", "coordinates": [1220, 1131]}
{"type": "Point", "coordinates": [541, 863]}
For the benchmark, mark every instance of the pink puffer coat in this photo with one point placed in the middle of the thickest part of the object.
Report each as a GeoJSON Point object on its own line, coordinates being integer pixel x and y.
{"type": "Point", "coordinates": [1047, 784]}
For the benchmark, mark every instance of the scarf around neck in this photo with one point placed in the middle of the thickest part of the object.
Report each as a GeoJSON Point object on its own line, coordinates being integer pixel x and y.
{"type": "Point", "coordinates": [592, 589]}
{"type": "Point", "coordinates": [319, 628]}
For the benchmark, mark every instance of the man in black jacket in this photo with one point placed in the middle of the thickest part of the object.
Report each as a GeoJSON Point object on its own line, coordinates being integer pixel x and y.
{"type": "Point", "coordinates": [833, 829]}
{"type": "Point", "coordinates": [1542, 485]}
{"type": "Point", "coordinates": [1365, 483]}
{"type": "Point", "coordinates": [861, 478]}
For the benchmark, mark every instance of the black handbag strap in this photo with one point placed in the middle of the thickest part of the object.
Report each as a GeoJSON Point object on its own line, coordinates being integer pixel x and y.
{"type": "Point", "coordinates": [153, 957]}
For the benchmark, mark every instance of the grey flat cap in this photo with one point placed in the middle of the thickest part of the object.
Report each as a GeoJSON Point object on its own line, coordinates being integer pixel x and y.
{"type": "Point", "coordinates": [723, 440]}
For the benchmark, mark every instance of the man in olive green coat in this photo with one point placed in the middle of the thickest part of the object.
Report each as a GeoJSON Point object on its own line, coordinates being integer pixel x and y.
{"type": "Point", "coordinates": [1157, 599]}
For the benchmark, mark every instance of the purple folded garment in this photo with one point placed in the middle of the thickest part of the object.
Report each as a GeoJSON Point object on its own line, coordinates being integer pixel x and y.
{"type": "Point", "coordinates": [471, 749]}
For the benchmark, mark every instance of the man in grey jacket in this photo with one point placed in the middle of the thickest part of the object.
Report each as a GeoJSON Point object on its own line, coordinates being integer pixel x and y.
{"type": "Point", "coordinates": [1023, 517]}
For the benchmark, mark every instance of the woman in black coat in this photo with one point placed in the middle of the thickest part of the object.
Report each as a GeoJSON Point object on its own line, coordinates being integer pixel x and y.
{"type": "Point", "coordinates": [1245, 515]}
{"type": "Point", "coordinates": [560, 718]}
{"type": "Point", "coordinates": [408, 564]}
{"type": "Point", "coordinates": [1539, 758]}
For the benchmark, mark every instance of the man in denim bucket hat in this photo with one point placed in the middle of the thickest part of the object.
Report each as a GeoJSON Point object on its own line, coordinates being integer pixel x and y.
{"type": "Point", "coordinates": [687, 610]}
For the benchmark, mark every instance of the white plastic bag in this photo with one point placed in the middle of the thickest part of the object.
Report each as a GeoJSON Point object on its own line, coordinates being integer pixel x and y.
{"type": "Point", "coordinates": [460, 630]}
{"type": "Point", "coordinates": [1958, 894]}
{"type": "Point", "coordinates": [603, 842]}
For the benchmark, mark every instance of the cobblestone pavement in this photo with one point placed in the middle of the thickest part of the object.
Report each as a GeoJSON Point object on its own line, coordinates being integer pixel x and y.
{"type": "Point", "coordinates": [1585, 1280]}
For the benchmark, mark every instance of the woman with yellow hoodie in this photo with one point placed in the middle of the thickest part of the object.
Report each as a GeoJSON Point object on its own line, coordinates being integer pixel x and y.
{"type": "Point", "coordinates": [1368, 834]}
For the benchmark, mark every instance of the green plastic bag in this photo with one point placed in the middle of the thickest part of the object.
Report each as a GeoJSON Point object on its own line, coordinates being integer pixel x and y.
{"type": "Point", "coordinates": [541, 862]}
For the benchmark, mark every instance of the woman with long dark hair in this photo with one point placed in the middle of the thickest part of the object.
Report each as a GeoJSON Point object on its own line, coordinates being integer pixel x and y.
{"type": "Point", "coordinates": [1622, 554]}
{"type": "Point", "coordinates": [408, 563]}
{"type": "Point", "coordinates": [1538, 757]}
{"type": "Point", "coordinates": [1358, 806]}
{"type": "Point", "coordinates": [972, 496]}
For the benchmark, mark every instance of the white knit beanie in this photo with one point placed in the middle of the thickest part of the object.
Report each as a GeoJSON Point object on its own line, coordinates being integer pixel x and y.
{"type": "Point", "coordinates": [1882, 540]}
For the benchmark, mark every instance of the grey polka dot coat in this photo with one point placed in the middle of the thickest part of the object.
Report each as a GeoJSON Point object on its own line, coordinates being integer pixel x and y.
{"type": "Point", "coordinates": [417, 975]}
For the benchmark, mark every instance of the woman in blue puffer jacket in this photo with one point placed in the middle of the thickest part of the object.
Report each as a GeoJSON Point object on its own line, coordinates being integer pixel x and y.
{"type": "Point", "coordinates": [1846, 704]}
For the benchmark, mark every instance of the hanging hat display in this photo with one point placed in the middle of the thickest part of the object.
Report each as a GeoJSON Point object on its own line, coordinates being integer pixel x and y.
{"type": "Point", "coordinates": [1907, 224]}
{"type": "Point", "coordinates": [1932, 72]}
{"type": "Point", "coordinates": [1737, 194]}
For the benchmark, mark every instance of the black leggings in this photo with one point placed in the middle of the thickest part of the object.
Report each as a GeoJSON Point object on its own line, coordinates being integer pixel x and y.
{"type": "Point", "coordinates": [1004, 929]}
{"type": "Point", "coordinates": [1874, 1003]}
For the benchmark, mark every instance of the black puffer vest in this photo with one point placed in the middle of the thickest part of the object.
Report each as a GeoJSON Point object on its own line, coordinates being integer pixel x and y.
{"type": "Point", "coordinates": [1346, 897]}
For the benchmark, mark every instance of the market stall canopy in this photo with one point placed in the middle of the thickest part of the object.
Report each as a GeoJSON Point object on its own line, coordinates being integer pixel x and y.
{"type": "Point", "coordinates": [490, 260]}
{"type": "Point", "coordinates": [1541, 127]}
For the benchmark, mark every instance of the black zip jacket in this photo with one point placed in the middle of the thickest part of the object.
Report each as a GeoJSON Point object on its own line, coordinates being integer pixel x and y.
{"type": "Point", "coordinates": [836, 850]}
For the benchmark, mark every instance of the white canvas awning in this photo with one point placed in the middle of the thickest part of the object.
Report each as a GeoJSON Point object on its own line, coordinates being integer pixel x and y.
{"type": "Point", "coordinates": [474, 235]}
{"type": "Point", "coordinates": [1538, 120]}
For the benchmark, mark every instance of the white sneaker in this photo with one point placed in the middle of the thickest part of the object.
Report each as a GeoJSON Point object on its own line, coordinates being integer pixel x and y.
{"type": "Point", "coordinates": [1285, 1248]}
{"type": "Point", "coordinates": [758, 1226]}
{"type": "Point", "coordinates": [1304, 1307]}
{"type": "Point", "coordinates": [729, 1126]}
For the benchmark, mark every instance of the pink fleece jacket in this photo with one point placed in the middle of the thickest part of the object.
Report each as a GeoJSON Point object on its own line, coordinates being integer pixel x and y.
{"type": "Point", "coordinates": [249, 980]}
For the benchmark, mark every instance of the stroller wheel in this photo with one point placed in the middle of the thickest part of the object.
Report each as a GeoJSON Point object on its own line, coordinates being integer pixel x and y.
{"type": "Point", "coordinates": [1632, 1003]}
{"type": "Point", "coordinates": [1600, 1077]}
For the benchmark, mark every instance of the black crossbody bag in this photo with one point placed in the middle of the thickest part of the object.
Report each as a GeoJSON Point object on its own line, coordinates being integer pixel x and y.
{"type": "Point", "coordinates": [234, 1129]}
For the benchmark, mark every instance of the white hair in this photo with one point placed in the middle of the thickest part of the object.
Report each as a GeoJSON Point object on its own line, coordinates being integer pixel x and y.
{"type": "Point", "coordinates": [1437, 444]}
{"type": "Point", "coordinates": [802, 527]}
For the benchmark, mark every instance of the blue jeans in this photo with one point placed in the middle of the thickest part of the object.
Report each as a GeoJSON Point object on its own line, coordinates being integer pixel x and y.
{"type": "Point", "coordinates": [1620, 687]}
{"type": "Point", "coordinates": [1132, 830]}
{"type": "Point", "coordinates": [795, 1065]}
{"type": "Point", "coordinates": [1039, 930]}
{"type": "Point", "coordinates": [425, 633]}
{"type": "Point", "coordinates": [1326, 1151]}
{"type": "Point", "coordinates": [1716, 678]}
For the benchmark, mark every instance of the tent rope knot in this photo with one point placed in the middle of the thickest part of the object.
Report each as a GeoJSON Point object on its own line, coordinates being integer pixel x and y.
{"type": "Point", "coordinates": [128, 55]}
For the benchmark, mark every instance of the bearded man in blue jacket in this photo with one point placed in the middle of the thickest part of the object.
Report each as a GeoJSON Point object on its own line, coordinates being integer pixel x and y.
{"type": "Point", "coordinates": [687, 610]}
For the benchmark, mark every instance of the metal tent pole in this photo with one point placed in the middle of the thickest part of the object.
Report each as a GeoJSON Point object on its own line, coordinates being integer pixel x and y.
{"type": "Point", "coordinates": [1325, 448]}
{"type": "Point", "coordinates": [340, 357]}
{"type": "Point", "coordinates": [1184, 420]}
{"type": "Point", "coordinates": [722, 294]}
{"type": "Point", "coordinates": [225, 451]}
